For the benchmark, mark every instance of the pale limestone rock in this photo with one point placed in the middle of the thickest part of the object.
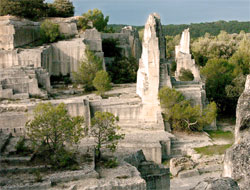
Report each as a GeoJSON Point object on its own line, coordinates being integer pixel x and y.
{"type": "Point", "coordinates": [148, 75]}
{"type": "Point", "coordinates": [19, 83]}
{"type": "Point", "coordinates": [67, 26]}
{"type": "Point", "coordinates": [128, 40]}
{"type": "Point", "coordinates": [237, 162]}
{"type": "Point", "coordinates": [15, 32]}
{"type": "Point", "coordinates": [183, 57]}
{"type": "Point", "coordinates": [184, 46]}
{"type": "Point", "coordinates": [217, 184]}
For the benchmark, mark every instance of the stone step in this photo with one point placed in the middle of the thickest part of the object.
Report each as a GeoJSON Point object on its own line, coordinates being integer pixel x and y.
{"type": "Point", "coordinates": [188, 173]}
{"type": "Point", "coordinates": [21, 96]}
{"type": "Point", "coordinates": [23, 169]}
{"type": "Point", "coordinates": [211, 168]}
{"type": "Point", "coordinates": [15, 160]}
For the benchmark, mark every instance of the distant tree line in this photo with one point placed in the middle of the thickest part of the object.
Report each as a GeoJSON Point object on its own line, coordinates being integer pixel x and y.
{"type": "Point", "coordinates": [35, 9]}
{"type": "Point", "coordinates": [198, 29]}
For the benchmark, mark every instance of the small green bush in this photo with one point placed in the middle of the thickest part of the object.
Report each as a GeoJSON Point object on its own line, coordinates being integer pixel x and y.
{"type": "Point", "coordinates": [21, 148]}
{"type": "Point", "coordinates": [49, 32]}
{"type": "Point", "coordinates": [87, 70]}
{"type": "Point", "coordinates": [38, 177]}
{"type": "Point", "coordinates": [102, 82]}
{"type": "Point", "coordinates": [96, 17]}
{"type": "Point", "coordinates": [111, 163]}
{"type": "Point", "coordinates": [186, 75]}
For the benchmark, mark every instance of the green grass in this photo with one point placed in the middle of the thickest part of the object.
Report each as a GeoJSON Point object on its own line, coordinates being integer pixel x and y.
{"type": "Point", "coordinates": [224, 135]}
{"type": "Point", "coordinates": [212, 149]}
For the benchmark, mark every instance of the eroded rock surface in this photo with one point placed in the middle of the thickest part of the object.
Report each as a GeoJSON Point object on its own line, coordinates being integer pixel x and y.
{"type": "Point", "coordinates": [148, 75]}
{"type": "Point", "coordinates": [179, 164]}
{"type": "Point", "coordinates": [237, 162]}
{"type": "Point", "coordinates": [217, 184]}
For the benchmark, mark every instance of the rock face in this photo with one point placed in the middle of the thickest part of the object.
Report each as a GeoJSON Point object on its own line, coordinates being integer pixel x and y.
{"type": "Point", "coordinates": [237, 162]}
{"type": "Point", "coordinates": [183, 57]}
{"type": "Point", "coordinates": [20, 83]}
{"type": "Point", "coordinates": [156, 177]}
{"type": "Point", "coordinates": [217, 184]}
{"type": "Point", "coordinates": [128, 40]}
{"type": "Point", "coordinates": [15, 32]}
{"type": "Point", "coordinates": [67, 26]}
{"type": "Point", "coordinates": [148, 75]}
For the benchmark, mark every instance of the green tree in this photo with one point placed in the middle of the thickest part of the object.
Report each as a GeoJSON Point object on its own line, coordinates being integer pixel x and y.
{"type": "Point", "coordinates": [63, 8]}
{"type": "Point", "coordinates": [218, 74]}
{"type": "Point", "coordinates": [236, 88]}
{"type": "Point", "coordinates": [51, 129]}
{"type": "Point", "coordinates": [181, 114]}
{"type": "Point", "coordinates": [31, 9]}
{"type": "Point", "coordinates": [186, 75]}
{"type": "Point", "coordinates": [102, 82]}
{"type": "Point", "coordinates": [87, 70]}
{"type": "Point", "coordinates": [105, 131]}
{"type": "Point", "coordinates": [49, 32]}
{"type": "Point", "coordinates": [172, 41]}
{"type": "Point", "coordinates": [96, 17]}
{"type": "Point", "coordinates": [123, 70]}
{"type": "Point", "coordinates": [241, 58]}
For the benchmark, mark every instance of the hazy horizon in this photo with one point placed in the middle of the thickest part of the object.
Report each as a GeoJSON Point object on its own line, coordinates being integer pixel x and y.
{"type": "Point", "coordinates": [135, 12]}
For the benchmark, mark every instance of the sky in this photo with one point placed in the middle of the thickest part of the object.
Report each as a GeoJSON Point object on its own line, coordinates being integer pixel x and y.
{"type": "Point", "coordinates": [135, 12]}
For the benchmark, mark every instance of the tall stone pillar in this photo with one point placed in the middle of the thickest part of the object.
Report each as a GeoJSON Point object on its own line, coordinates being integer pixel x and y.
{"type": "Point", "coordinates": [148, 75]}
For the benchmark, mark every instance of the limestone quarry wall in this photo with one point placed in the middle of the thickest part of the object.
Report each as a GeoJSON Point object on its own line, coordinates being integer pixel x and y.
{"type": "Point", "coordinates": [16, 32]}
{"type": "Point", "coordinates": [193, 91]}
{"type": "Point", "coordinates": [13, 118]}
{"type": "Point", "coordinates": [67, 26]}
{"type": "Point", "coordinates": [236, 161]}
{"type": "Point", "coordinates": [128, 41]}
{"type": "Point", "coordinates": [127, 111]}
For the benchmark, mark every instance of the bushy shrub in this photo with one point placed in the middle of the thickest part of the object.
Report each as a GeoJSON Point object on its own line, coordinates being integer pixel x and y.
{"type": "Point", "coordinates": [87, 70]}
{"type": "Point", "coordinates": [123, 70]}
{"type": "Point", "coordinates": [181, 114]}
{"type": "Point", "coordinates": [102, 82]}
{"type": "Point", "coordinates": [110, 48]}
{"type": "Point", "coordinates": [49, 32]}
{"type": "Point", "coordinates": [186, 75]}
{"type": "Point", "coordinates": [51, 129]}
{"type": "Point", "coordinates": [96, 17]}
{"type": "Point", "coordinates": [31, 9]}
{"type": "Point", "coordinates": [63, 8]}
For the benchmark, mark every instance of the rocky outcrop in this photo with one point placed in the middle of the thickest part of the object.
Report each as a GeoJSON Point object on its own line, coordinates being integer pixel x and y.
{"type": "Point", "coordinates": [156, 177]}
{"type": "Point", "coordinates": [183, 57]}
{"type": "Point", "coordinates": [128, 40]}
{"type": "Point", "coordinates": [179, 164]}
{"type": "Point", "coordinates": [15, 32]}
{"type": "Point", "coordinates": [148, 75]}
{"type": "Point", "coordinates": [217, 184]}
{"type": "Point", "coordinates": [20, 83]}
{"type": "Point", "coordinates": [237, 162]}
{"type": "Point", "coordinates": [67, 26]}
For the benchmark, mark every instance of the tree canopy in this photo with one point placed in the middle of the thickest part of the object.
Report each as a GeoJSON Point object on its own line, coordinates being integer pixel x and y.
{"type": "Point", "coordinates": [51, 129]}
{"type": "Point", "coordinates": [181, 114]}
{"type": "Point", "coordinates": [94, 17]}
